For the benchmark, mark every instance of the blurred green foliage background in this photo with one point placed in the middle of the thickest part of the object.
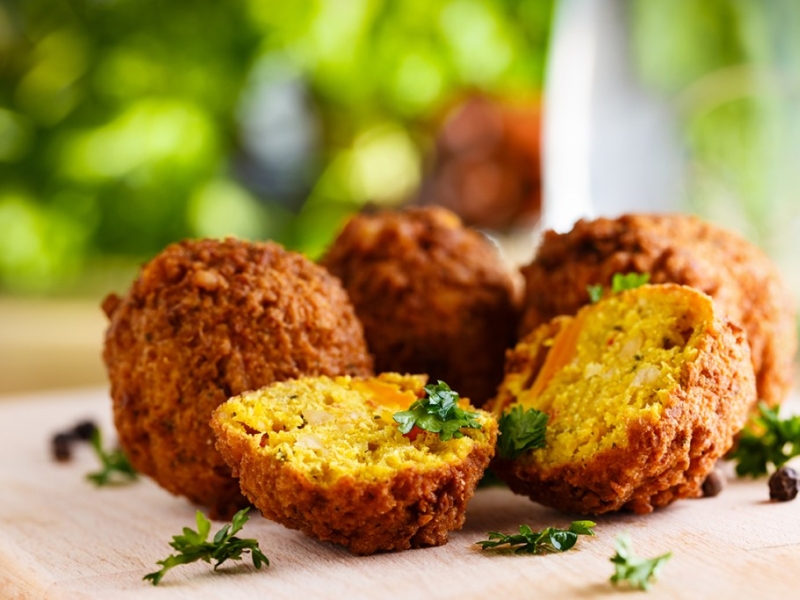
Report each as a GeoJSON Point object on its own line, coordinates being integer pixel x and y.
{"type": "Point", "coordinates": [732, 70]}
{"type": "Point", "coordinates": [128, 124]}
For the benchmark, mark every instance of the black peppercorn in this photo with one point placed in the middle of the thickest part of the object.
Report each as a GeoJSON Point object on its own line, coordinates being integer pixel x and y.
{"type": "Point", "coordinates": [783, 484]}
{"type": "Point", "coordinates": [714, 483]}
{"type": "Point", "coordinates": [84, 430]}
{"type": "Point", "coordinates": [61, 447]}
{"type": "Point", "coordinates": [61, 442]}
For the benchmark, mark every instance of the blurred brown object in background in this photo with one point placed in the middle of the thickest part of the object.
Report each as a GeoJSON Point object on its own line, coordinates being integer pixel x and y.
{"type": "Point", "coordinates": [487, 164]}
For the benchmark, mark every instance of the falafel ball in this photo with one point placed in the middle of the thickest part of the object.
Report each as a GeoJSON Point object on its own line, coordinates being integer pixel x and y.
{"type": "Point", "coordinates": [676, 249]}
{"type": "Point", "coordinates": [644, 390]}
{"type": "Point", "coordinates": [207, 320]}
{"type": "Point", "coordinates": [325, 456]}
{"type": "Point", "coordinates": [434, 296]}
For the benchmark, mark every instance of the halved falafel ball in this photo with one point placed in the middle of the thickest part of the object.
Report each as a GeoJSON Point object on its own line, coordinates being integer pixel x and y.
{"type": "Point", "coordinates": [673, 249]}
{"type": "Point", "coordinates": [434, 296]}
{"type": "Point", "coordinates": [645, 390]}
{"type": "Point", "coordinates": [325, 456]}
{"type": "Point", "coordinates": [207, 320]}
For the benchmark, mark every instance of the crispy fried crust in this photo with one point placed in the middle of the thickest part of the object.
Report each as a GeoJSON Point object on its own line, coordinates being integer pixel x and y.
{"type": "Point", "coordinates": [434, 296]}
{"type": "Point", "coordinates": [411, 508]}
{"type": "Point", "coordinates": [672, 248]}
{"type": "Point", "coordinates": [662, 462]}
{"type": "Point", "coordinates": [207, 320]}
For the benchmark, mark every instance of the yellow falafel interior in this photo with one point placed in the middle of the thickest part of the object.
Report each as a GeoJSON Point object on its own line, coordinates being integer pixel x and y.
{"type": "Point", "coordinates": [325, 455]}
{"type": "Point", "coordinates": [614, 363]}
{"type": "Point", "coordinates": [644, 392]}
{"type": "Point", "coordinates": [329, 428]}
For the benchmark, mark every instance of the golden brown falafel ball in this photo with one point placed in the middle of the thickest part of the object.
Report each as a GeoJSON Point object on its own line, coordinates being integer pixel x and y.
{"type": "Point", "coordinates": [486, 166]}
{"type": "Point", "coordinates": [645, 390]}
{"type": "Point", "coordinates": [325, 456]}
{"type": "Point", "coordinates": [678, 249]}
{"type": "Point", "coordinates": [207, 320]}
{"type": "Point", "coordinates": [434, 296]}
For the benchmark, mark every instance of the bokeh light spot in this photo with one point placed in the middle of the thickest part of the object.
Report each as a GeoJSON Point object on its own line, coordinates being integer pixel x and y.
{"type": "Point", "coordinates": [47, 92]}
{"type": "Point", "coordinates": [384, 165]}
{"type": "Point", "coordinates": [150, 131]}
{"type": "Point", "coordinates": [39, 248]}
{"type": "Point", "coordinates": [480, 48]}
{"type": "Point", "coordinates": [418, 82]}
{"type": "Point", "coordinates": [221, 208]}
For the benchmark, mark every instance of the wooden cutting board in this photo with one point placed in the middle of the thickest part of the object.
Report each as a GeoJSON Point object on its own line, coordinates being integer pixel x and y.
{"type": "Point", "coordinates": [60, 537]}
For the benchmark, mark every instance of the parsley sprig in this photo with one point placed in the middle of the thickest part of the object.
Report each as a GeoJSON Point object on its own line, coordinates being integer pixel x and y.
{"type": "Point", "coordinates": [438, 413]}
{"type": "Point", "coordinates": [115, 465]}
{"type": "Point", "coordinates": [546, 541]}
{"type": "Point", "coordinates": [777, 442]}
{"type": "Point", "coordinates": [619, 283]}
{"type": "Point", "coordinates": [521, 430]}
{"type": "Point", "coordinates": [638, 572]}
{"type": "Point", "coordinates": [193, 546]}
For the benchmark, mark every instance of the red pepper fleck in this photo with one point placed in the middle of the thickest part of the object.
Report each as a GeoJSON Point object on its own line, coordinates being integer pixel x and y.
{"type": "Point", "coordinates": [412, 435]}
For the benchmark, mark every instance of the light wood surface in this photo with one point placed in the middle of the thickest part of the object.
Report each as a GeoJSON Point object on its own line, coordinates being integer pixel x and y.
{"type": "Point", "coordinates": [62, 538]}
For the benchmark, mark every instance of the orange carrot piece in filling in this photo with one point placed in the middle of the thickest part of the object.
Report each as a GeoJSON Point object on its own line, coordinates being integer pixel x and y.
{"type": "Point", "coordinates": [561, 352]}
{"type": "Point", "coordinates": [386, 394]}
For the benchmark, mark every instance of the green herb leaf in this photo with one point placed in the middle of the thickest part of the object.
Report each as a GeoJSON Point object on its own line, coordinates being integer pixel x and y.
{"type": "Point", "coordinates": [619, 283]}
{"type": "Point", "coordinates": [629, 281]}
{"type": "Point", "coordinates": [583, 527]}
{"type": "Point", "coordinates": [777, 442]}
{"type": "Point", "coordinates": [595, 292]}
{"type": "Point", "coordinates": [115, 466]}
{"type": "Point", "coordinates": [192, 546]}
{"type": "Point", "coordinates": [438, 413]}
{"type": "Point", "coordinates": [638, 572]}
{"type": "Point", "coordinates": [546, 541]}
{"type": "Point", "coordinates": [521, 430]}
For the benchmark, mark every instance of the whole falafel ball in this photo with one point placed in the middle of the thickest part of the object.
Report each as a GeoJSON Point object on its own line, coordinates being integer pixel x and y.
{"type": "Point", "coordinates": [207, 320]}
{"type": "Point", "coordinates": [434, 296]}
{"type": "Point", "coordinates": [679, 249]}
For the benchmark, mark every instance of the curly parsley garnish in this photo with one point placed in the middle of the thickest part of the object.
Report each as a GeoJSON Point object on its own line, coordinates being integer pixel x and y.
{"type": "Point", "coordinates": [192, 546]}
{"type": "Point", "coordinates": [115, 465]}
{"type": "Point", "coordinates": [521, 430]}
{"type": "Point", "coordinates": [546, 541]}
{"type": "Point", "coordinates": [438, 413]}
{"type": "Point", "coordinates": [638, 572]}
{"type": "Point", "coordinates": [619, 283]}
{"type": "Point", "coordinates": [778, 442]}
